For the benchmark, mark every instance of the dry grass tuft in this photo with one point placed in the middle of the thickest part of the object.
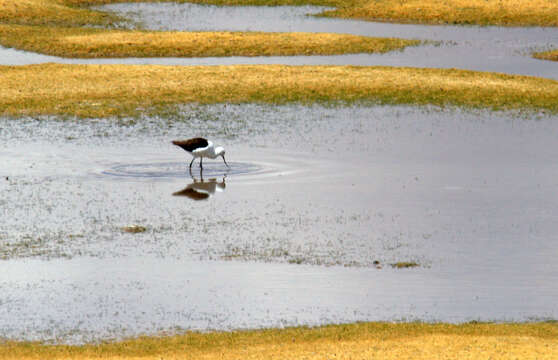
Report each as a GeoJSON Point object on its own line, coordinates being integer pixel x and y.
{"type": "Point", "coordinates": [134, 229]}
{"type": "Point", "coordinates": [112, 90]}
{"type": "Point", "coordinates": [404, 264]}
{"type": "Point", "coordinates": [547, 55]}
{"type": "Point", "coordinates": [353, 341]}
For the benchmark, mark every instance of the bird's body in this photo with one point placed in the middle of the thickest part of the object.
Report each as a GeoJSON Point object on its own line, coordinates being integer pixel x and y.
{"type": "Point", "coordinates": [200, 148]}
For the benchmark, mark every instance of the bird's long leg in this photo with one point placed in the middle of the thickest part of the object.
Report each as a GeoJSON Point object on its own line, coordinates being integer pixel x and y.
{"type": "Point", "coordinates": [201, 166]}
{"type": "Point", "coordinates": [191, 162]}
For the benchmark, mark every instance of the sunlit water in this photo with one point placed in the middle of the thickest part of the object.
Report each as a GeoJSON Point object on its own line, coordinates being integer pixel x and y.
{"type": "Point", "coordinates": [314, 197]}
{"type": "Point", "coordinates": [499, 49]}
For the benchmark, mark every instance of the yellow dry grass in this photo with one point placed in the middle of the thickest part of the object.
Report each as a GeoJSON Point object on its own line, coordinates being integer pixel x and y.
{"type": "Point", "coordinates": [96, 43]}
{"type": "Point", "coordinates": [53, 27]}
{"type": "Point", "coordinates": [353, 341]}
{"type": "Point", "coordinates": [85, 3]}
{"type": "Point", "coordinates": [482, 12]}
{"type": "Point", "coordinates": [107, 90]}
{"type": "Point", "coordinates": [547, 55]}
{"type": "Point", "coordinates": [48, 13]}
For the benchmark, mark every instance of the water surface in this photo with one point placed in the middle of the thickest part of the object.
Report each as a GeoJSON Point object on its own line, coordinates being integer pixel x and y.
{"type": "Point", "coordinates": [315, 197]}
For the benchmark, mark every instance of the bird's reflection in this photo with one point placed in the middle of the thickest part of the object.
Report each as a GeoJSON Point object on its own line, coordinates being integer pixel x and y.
{"type": "Point", "coordinates": [201, 189]}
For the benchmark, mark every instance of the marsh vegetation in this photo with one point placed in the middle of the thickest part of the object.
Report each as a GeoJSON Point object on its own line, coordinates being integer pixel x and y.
{"type": "Point", "coordinates": [103, 43]}
{"type": "Point", "coordinates": [113, 90]}
{"type": "Point", "coordinates": [479, 12]}
{"type": "Point", "coordinates": [462, 12]}
{"type": "Point", "coordinates": [59, 28]}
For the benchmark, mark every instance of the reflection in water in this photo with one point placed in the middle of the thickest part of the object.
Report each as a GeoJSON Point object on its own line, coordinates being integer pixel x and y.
{"type": "Point", "coordinates": [201, 189]}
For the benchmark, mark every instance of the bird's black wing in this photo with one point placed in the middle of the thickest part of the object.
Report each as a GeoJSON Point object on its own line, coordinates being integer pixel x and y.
{"type": "Point", "coordinates": [191, 144]}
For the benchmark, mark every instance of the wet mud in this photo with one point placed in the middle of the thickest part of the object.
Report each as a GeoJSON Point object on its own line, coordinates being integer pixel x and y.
{"type": "Point", "coordinates": [313, 193]}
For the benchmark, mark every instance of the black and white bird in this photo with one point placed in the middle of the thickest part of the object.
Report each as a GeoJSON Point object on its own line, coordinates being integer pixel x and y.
{"type": "Point", "coordinates": [200, 148]}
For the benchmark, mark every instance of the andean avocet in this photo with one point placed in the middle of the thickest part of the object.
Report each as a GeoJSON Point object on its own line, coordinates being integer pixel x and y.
{"type": "Point", "coordinates": [200, 148]}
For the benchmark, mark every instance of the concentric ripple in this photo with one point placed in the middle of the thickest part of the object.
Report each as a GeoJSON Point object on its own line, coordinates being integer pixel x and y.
{"type": "Point", "coordinates": [179, 170]}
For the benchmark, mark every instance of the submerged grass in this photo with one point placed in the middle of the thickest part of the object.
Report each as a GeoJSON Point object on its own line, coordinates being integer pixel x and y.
{"type": "Point", "coordinates": [114, 90]}
{"type": "Point", "coordinates": [351, 341]}
{"type": "Point", "coordinates": [99, 43]}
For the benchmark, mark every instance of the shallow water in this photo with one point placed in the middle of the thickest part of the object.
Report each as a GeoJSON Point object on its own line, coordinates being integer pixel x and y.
{"type": "Point", "coordinates": [499, 49]}
{"type": "Point", "coordinates": [90, 299]}
{"type": "Point", "coordinates": [467, 195]}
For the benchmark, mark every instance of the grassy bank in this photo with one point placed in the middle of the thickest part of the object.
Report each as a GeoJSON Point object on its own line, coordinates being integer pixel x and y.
{"type": "Point", "coordinates": [49, 13]}
{"type": "Point", "coordinates": [354, 341]}
{"type": "Point", "coordinates": [100, 43]}
{"type": "Point", "coordinates": [107, 90]}
{"type": "Point", "coordinates": [62, 28]}
{"type": "Point", "coordinates": [462, 12]}
{"type": "Point", "coordinates": [480, 12]}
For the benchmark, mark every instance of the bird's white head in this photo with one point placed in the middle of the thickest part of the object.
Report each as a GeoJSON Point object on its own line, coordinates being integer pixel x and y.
{"type": "Point", "coordinates": [220, 151]}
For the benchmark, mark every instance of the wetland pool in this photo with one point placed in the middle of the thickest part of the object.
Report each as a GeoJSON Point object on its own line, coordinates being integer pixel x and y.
{"type": "Point", "coordinates": [489, 48]}
{"type": "Point", "coordinates": [303, 229]}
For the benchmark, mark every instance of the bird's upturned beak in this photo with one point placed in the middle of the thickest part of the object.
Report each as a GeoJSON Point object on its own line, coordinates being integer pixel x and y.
{"type": "Point", "coordinates": [223, 156]}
